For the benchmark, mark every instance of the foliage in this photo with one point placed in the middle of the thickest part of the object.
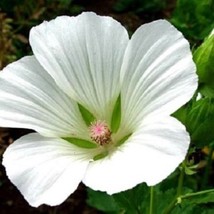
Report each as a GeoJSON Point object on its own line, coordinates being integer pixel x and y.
{"type": "Point", "coordinates": [19, 16]}
{"type": "Point", "coordinates": [198, 115]}
{"type": "Point", "coordinates": [131, 201]}
{"type": "Point", "coordinates": [204, 59]}
{"type": "Point", "coordinates": [6, 37]}
{"type": "Point", "coordinates": [102, 201]}
{"type": "Point", "coordinates": [140, 6]}
{"type": "Point", "coordinates": [137, 201]}
{"type": "Point", "coordinates": [194, 18]}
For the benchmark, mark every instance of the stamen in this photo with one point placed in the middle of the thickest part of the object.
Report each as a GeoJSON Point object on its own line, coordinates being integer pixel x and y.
{"type": "Point", "coordinates": [100, 133]}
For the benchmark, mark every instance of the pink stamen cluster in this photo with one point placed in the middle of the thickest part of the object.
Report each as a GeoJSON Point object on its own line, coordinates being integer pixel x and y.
{"type": "Point", "coordinates": [100, 133]}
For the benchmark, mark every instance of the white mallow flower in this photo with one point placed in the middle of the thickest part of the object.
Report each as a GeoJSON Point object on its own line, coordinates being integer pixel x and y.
{"type": "Point", "coordinates": [100, 104]}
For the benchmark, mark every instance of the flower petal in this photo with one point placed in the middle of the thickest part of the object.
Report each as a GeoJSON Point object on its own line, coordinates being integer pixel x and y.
{"type": "Point", "coordinates": [84, 55]}
{"type": "Point", "coordinates": [149, 155]}
{"type": "Point", "coordinates": [158, 73]}
{"type": "Point", "coordinates": [45, 170]}
{"type": "Point", "coordinates": [29, 98]}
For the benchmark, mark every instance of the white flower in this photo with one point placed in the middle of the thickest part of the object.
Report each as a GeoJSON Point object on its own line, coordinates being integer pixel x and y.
{"type": "Point", "coordinates": [90, 61]}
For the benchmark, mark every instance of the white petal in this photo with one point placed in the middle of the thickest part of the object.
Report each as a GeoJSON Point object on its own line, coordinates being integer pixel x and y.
{"type": "Point", "coordinates": [149, 155]}
{"type": "Point", "coordinates": [45, 170]}
{"type": "Point", "coordinates": [84, 55]}
{"type": "Point", "coordinates": [158, 73]}
{"type": "Point", "coordinates": [29, 98]}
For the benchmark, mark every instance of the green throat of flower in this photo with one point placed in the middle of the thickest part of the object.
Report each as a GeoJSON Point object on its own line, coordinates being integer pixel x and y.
{"type": "Point", "coordinates": [102, 135]}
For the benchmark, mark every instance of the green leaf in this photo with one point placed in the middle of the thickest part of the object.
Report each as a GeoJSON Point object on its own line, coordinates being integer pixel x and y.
{"type": "Point", "coordinates": [81, 143]}
{"type": "Point", "coordinates": [102, 201]}
{"type": "Point", "coordinates": [204, 135]}
{"type": "Point", "coordinates": [199, 111]}
{"type": "Point", "coordinates": [167, 195]}
{"type": "Point", "coordinates": [181, 113]}
{"type": "Point", "coordinates": [204, 59]}
{"type": "Point", "coordinates": [200, 120]}
{"type": "Point", "coordinates": [186, 208]}
{"type": "Point", "coordinates": [135, 200]}
{"type": "Point", "coordinates": [194, 18]}
{"type": "Point", "coordinates": [183, 209]}
{"type": "Point", "coordinates": [188, 203]}
{"type": "Point", "coordinates": [116, 116]}
{"type": "Point", "coordinates": [203, 209]}
{"type": "Point", "coordinates": [168, 202]}
{"type": "Point", "coordinates": [202, 197]}
{"type": "Point", "coordinates": [206, 90]}
{"type": "Point", "coordinates": [190, 170]}
{"type": "Point", "coordinates": [87, 116]}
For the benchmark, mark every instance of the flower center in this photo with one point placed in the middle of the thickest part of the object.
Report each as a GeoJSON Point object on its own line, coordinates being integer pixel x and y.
{"type": "Point", "coordinates": [100, 133]}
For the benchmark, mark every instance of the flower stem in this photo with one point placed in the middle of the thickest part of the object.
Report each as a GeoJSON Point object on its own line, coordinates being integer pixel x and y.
{"type": "Point", "coordinates": [208, 167]}
{"type": "Point", "coordinates": [189, 195]}
{"type": "Point", "coordinates": [181, 180]}
{"type": "Point", "coordinates": [170, 207]}
{"type": "Point", "coordinates": [151, 200]}
{"type": "Point", "coordinates": [180, 198]}
{"type": "Point", "coordinates": [179, 191]}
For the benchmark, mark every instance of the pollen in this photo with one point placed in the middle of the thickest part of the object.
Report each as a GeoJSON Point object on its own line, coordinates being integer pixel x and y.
{"type": "Point", "coordinates": [100, 133]}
